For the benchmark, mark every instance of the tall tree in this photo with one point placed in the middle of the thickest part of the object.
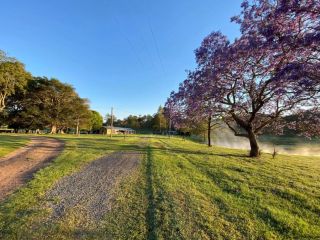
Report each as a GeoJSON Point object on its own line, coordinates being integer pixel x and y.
{"type": "Point", "coordinates": [49, 103]}
{"type": "Point", "coordinates": [13, 76]}
{"type": "Point", "coordinates": [270, 71]}
{"type": "Point", "coordinates": [256, 81]}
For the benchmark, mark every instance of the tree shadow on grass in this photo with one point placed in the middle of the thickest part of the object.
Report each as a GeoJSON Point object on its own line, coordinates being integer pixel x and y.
{"type": "Point", "coordinates": [193, 152]}
{"type": "Point", "coordinates": [151, 211]}
{"type": "Point", "coordinates": [13, 141]}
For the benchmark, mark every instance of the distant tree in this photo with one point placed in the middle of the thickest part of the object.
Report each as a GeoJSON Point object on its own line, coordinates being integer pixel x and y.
{"type": "Point", "coordinates": [132, 122]}
{"type": "Point", "coordinates": [79, 116]}
{"type": "Point", "coordinates": [159, 121]}
{"type": "Point", "coordinates": [146, 122]}
{"type": "Point", "coordinates": [13, 77]}
{"type": "Point", "coordinates": [108, 119]}
{"type": "Point", "coordinates": [96, 121]}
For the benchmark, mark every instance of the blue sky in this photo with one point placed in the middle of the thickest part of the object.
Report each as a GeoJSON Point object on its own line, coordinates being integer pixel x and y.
{"type": "Point", "coordinates": [126, 54]}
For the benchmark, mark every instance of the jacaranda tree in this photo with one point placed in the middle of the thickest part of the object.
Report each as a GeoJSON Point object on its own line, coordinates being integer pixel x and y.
{"type": "Point", "coordinates": [270, 71]}
{"type": "Point", "coordinates": [192, 107]}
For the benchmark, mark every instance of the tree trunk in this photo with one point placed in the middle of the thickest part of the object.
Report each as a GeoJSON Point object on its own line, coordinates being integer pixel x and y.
{"type": "Point", "coordinates": [254, 151]}
{"type": "Point", "coordinates": [53, 129]}
{"type": "Point", "coordinates": [2, 103]}
{"type": "Point", "coordinates": [77, 129]}
{"type": "Point", "coordinates": [209, 132]}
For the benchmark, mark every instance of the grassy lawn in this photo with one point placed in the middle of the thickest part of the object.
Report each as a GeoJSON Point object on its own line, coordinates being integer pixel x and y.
{"type": "Point", "coordinates": [9, 143]}
{"type": "Point", "coordinates": [182, 190]}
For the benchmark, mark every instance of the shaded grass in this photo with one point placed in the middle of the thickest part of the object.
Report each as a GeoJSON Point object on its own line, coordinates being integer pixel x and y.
{"type": "Point", "coordinates": [182, 190]}
{"type": "Point", "coordinates": [9, 143]}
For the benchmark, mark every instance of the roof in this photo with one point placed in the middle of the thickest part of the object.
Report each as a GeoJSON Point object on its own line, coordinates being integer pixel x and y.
{"type": "Point", "coordinates": [120, 128]}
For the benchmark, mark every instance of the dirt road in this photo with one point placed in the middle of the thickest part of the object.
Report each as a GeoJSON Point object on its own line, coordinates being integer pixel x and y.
{"type": "Point", "coordinates": [89, 192]}
{"type": "Point", "coordinates": [19, 166]}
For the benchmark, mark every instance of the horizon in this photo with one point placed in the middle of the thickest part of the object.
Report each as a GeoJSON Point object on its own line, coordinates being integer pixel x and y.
{"type": "Point", "coordinates": [117, 49]}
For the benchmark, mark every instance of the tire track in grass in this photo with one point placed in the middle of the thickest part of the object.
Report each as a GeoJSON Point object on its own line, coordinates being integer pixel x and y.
{"type": "Point", "coordinates": [200, 177]}
{"type": "Point", "coordinates": [18, 167]}
{"type": "Point", "coordinates": [161, 210]}
{"type": "Point", "coordinates": [185, 203]}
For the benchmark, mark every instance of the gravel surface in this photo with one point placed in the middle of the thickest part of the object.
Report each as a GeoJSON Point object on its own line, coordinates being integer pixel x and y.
{"type": "Point", "coordinates": [89, 191]}
{"type": "Point", "coordinates": [19, 166]}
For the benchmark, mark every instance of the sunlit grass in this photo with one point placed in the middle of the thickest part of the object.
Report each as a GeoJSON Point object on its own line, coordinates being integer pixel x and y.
{"type": "Point", "coordinates": [182, 190]}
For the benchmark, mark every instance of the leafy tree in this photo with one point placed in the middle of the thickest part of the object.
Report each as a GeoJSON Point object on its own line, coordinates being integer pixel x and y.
{"type": "Point", "coordinates": [196, 107]}
{"type": "Point", "coordinates": [79, 115]}
{"type": "Point", "coordinates": [96, 121]}
{"type": "Point", "coordinates": [13, 76]}
{"type": "Point", "coordinates": [270, 71]}
{"type": "Point", "coordinates": [133, 122]}
{"type": "Point", "coordinates": [49, 103]}
{"type": "Point", "coordinates": [159, 121]}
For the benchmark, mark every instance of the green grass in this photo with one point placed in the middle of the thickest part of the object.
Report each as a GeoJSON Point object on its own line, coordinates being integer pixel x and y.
{"type": "Point", "coordinates": [9, 143]}
{"type": "Point", "coordinates": [182, 190]}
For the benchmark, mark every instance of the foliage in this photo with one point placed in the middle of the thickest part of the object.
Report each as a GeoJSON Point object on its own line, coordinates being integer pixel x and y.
{"type": "Point", "coordinates": [270, 71]}
{"type": "Point", "coordinates": [96, 121]}
{"type": "Point", "coordinates": [144, 122]}
{"type": "Point", "coordinates": [13, 76]}
{"type": "Point", "coordinates": [48, 103]}
{"type": "Point", "coordinates": [159, 122]}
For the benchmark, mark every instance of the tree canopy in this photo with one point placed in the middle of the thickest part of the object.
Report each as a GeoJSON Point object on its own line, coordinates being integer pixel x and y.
{"type": "Point", "coordinates": [13, 77]}
{"type": "Point", "coordinates": [48, 103]}
{"type": "Point", "coordinates": [270, 71]}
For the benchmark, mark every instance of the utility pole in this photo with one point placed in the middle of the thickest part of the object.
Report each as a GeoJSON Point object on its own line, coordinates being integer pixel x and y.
{"type": "Point", "coordinates": [111, 122]}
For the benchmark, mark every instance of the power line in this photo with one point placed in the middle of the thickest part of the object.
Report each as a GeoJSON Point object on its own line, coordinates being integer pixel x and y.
{"type": "Point", "coordinates": [157, 47]}
{"type": "Point", "coordinates": [128, 41]}
{"type": "Point", "coordinates": [139, 9]}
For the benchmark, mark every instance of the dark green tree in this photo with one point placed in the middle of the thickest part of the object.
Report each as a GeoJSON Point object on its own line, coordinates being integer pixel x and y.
{"type": "Point", "coordinates": [159, 121]}
{"type": "Point", "coordinates": [96, 121]}
{"type": "Point", "coordinates": [48, 103]}
{"type": "Point", "coordinates": [13, 77]}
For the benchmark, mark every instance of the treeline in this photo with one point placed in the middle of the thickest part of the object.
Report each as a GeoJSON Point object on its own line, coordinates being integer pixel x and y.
{"type": "Point", "coordinates": [156, 123]}
{"type": "Point", "coordinates": [256, 82]}
{"type": "Point", "coordinates": [37, 103]}
{"type": "Point", "coordinates": [29, 103]}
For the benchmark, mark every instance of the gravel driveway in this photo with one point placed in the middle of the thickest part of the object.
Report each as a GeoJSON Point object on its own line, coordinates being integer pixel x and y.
{"type": "Point", "coordinates": [89, 191]}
